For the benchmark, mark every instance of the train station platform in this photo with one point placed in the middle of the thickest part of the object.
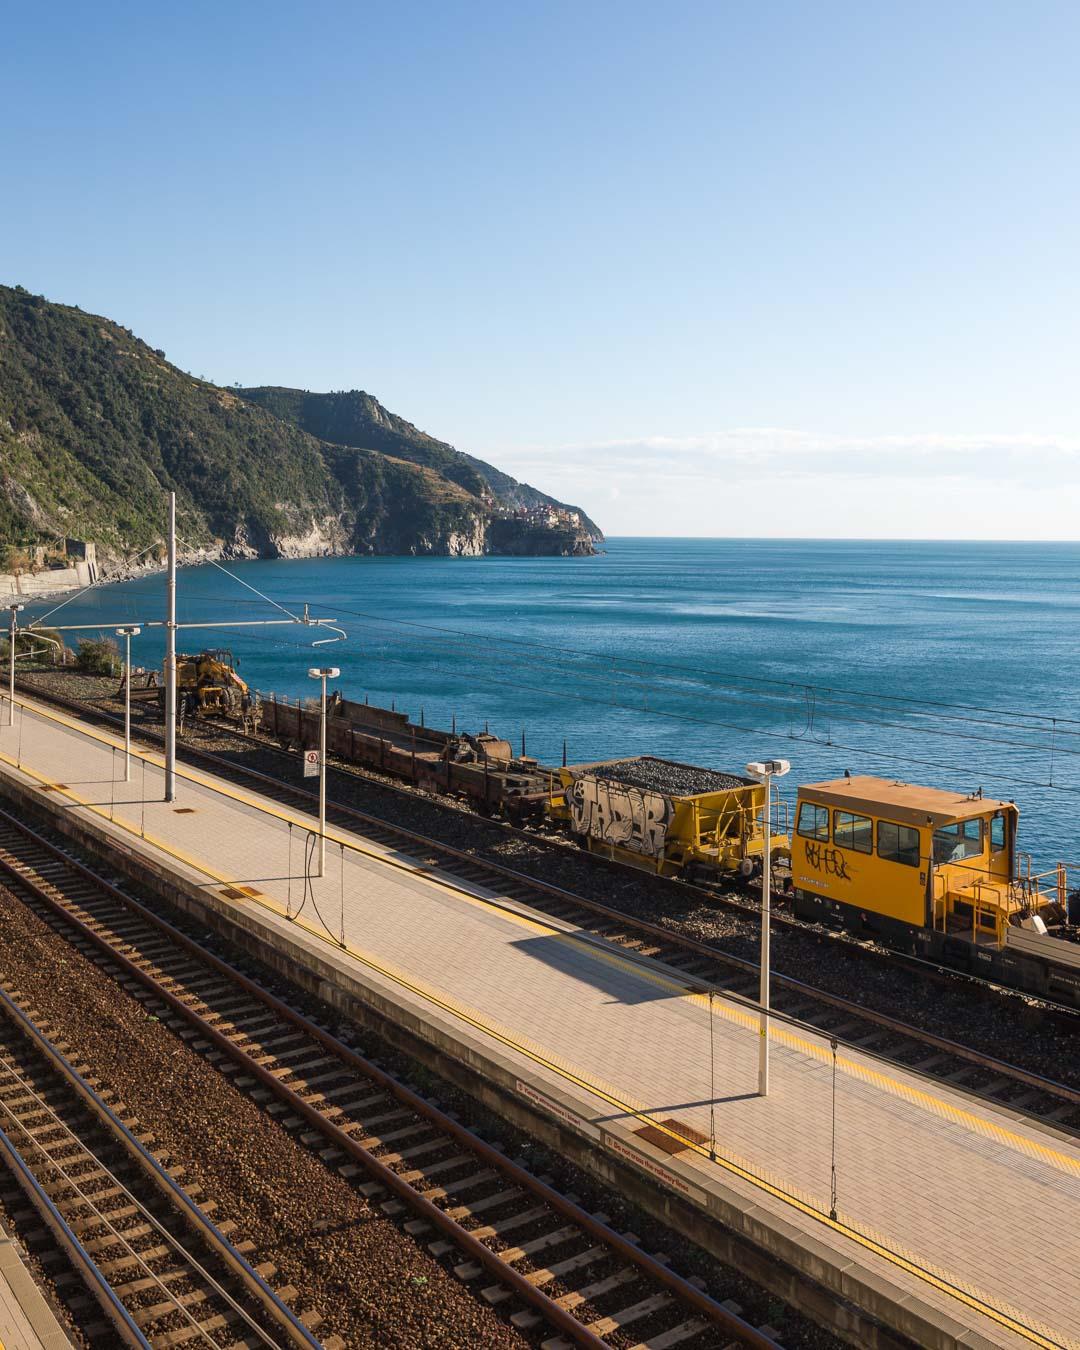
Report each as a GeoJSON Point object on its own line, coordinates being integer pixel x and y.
{"type": "Point", "coordinates": [955, 1221]}
{"type": "Point", "coordinates": [26, 1320]}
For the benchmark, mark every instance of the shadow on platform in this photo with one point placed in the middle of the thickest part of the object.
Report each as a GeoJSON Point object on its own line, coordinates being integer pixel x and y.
{"type": "Point", "coordinates": [592, 965]}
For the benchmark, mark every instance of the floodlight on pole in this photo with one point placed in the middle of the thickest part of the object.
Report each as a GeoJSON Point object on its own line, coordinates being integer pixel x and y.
{"type": "Point", "coordinates": [127, 633]}
{"type": "Point", "coordinates": [322, 673]}
{"type": "Point", "coordinates": [12, 629]}
{"type": "Point", "coordinates": [170, 657]}
{"type": "Point", "coordinates": [765, 771]}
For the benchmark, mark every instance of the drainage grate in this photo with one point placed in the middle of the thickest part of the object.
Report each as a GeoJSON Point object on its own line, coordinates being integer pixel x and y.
{"type": "Point", "coordinates": [659, 1138]}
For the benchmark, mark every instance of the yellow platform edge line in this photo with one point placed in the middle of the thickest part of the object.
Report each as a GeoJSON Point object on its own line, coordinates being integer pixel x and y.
{"type": "Point", "coordinates": [977, 1303]}
{"type": "Point", "coordinates": [731, 1011]}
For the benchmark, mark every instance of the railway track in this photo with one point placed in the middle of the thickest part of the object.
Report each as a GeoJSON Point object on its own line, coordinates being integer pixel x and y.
{"type": "Point", "coordinates": [564, 1275]}
{"type": "Point", "coordinates": [156, 1271]}
{"type": "Point", "coordinates": [871, 1031]}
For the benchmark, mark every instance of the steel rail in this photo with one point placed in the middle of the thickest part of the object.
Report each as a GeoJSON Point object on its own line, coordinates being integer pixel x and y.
{"type": "Point", "coordinates": [286, 1319]}
{"type": "Point", "coordinates": [694, 946]}
{"type": "Point", "coordinates": [559, 1317]}
{"type": "Point", "coordinates": [78, 1188]}
{"type": "Point", "coordinates": [73, 1249]}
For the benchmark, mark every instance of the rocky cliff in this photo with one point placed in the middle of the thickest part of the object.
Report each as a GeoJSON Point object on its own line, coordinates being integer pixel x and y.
{"type": "Point", "coordinates": [354, 418]}
{"type": "Point", "coordinates": [95, 426]}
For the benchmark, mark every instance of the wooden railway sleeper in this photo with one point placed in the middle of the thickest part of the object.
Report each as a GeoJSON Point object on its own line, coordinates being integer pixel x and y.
{"type": "Point", "coordinates": [668, 939]}
{"type": "Point", "coordinates": [196, 1215]}
{"type": "Point", "coordinates": [557, 1316]}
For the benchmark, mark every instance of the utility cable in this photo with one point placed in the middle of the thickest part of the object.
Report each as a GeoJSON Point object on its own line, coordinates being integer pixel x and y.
{"type": "Point", "coordinates": [253, 589]}
{"type": "Point", "coordinates": [565, 694]}
{"type": "Point", "coordinates": [813, 711]}
{"type": "Point", "coordinates": [99, 581]}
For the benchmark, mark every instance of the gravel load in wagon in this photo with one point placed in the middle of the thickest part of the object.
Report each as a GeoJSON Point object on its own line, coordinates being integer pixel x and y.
{"type": "Point", "coordinates": [664, 775]}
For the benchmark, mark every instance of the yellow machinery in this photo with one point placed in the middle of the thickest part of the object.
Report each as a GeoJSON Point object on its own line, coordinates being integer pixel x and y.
{"type": "Point", "coordinates": [667, 818]}
{"type": "Point", "coordinates": [888, 856]}
{"type": "Point", "coordinates": [210, 679]}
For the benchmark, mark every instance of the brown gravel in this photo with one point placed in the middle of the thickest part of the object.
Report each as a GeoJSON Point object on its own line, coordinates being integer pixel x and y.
{"type": "Point", "coordinates": [64, 974]}
{"type": "Point", "coordinates": [373, 1285]}
{"type": "Point", "coordinates": [1001, 1024]}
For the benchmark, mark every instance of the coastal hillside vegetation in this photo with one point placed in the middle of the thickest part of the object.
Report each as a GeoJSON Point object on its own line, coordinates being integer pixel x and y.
{"type": "Point", "coordinates": [95, 426]}
{"type": "Point", "coordinates": [353, 418]}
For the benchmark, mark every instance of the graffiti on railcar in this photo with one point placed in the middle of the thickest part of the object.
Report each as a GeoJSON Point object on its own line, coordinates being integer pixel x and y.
{"type": "Point", "coordinates": [620, 815]}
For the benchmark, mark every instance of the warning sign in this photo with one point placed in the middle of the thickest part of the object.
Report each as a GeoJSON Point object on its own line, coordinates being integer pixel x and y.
{"type": "Point", "coordinates": [311, 763]}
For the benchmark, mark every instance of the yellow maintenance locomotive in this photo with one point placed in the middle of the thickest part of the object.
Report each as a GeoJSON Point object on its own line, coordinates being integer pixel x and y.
{"type": "Point", "coordinates": [207, 683]}
{"type": "Point", "coordinates": [935, 874]}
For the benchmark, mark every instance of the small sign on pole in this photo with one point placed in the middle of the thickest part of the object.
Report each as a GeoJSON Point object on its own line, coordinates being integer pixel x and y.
{"type": "Point", "coordinates": [311, 763]}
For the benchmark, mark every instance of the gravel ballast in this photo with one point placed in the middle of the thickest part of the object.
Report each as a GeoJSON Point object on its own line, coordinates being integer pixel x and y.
{"type": "Point", "coordinates": [374, 1286]}
{"type": "Point", "coordinates": [665, 776]}
{"type": "Point", "coordinates": [998, 1023]}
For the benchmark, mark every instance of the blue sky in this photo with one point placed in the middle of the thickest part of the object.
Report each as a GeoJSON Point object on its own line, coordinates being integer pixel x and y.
{"type": "Point", "coordinates": [709, 268]}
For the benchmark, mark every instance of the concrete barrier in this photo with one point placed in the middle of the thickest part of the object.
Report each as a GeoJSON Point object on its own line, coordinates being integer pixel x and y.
{"type": "Point", "coordinates": [31, 584]}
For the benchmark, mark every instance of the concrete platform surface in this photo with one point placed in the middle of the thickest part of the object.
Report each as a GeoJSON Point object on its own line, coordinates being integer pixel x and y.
{"type": "Point", "coordinates": [26, 1320]}
{"type": "Point", "coordinates": [970, 1211]}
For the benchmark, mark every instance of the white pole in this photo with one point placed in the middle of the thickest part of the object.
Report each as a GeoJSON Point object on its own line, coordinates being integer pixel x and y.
{"type": "Point", "coordinates": [170, 659]}
{"type": "Point", "coordinates": [322, 781]}
{"type": "Point", "coordinates": [127, 708]}
{"type": "Point", "coordinates": [11, 669]}
{"type": "Point", "coordinates": [766, 905]}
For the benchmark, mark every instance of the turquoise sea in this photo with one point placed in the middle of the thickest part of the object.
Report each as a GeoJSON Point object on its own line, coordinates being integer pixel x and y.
{"type": "Point", "coordinates": [834, 655]}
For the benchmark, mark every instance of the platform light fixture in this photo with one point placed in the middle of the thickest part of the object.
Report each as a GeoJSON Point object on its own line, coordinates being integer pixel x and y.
{"type": "Point", "coordinates": [764, 771]}
{"type": "Point", "coordinates": [127, 632]}
{"type": "Point", "coordinates": [322, 673]}
{"type": "Point", "coordinates": [12, 629]}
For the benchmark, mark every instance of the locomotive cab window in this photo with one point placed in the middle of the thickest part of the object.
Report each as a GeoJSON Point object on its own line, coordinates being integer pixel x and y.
{"type": "Point", "coordinates": [851, 831]}
{"type": "Point", "coordinates": [997, 832]}
{"type": "Point", "coordinates": [954, 843]}
{"type": "Point", "coordinates": [898, 843]}
{"type": "Point", "coordinates": [813, 821]}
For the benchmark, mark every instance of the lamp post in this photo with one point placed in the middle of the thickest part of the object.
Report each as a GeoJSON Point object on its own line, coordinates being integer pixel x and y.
{"type": "Point", "coordinates": [127, 633]}
{"type": "Point", "coordinates": [170, 656]}
{"type": "Point", "coordinates": [12, 629]}
{"type": "Point", "coordinates": [323, 673]}
{"type": "Point", "coordinates": [765, 771]}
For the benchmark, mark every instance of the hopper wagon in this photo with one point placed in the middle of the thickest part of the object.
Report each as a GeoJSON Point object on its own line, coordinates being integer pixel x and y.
{"type": "Point", "coordinates": [933, 874]}
{"type": "Point", "coordinates": [668, 818]}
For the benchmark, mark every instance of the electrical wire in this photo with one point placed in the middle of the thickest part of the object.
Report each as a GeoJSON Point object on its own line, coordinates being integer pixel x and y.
{"type": "Point", "coordinates": [253, 589]}
{"type": "Point", "coordinates": [564, 694]}
{"type": "Point", "coordinates": [765, 687]}
{"type": "Point", "coordinates": [700, 672]}
{"type": "Point", "coordinates": [1033, 748]}
{"type": "Point", "coordinates": [99, 581]}
{"type": "Point", "coordinates": [676, 682]}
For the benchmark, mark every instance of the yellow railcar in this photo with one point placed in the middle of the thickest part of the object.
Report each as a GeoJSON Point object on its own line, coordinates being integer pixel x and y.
{"type": "Point", "coordinates": [673, 819]}
{"type": "Point", "coordinates": [887, 857]}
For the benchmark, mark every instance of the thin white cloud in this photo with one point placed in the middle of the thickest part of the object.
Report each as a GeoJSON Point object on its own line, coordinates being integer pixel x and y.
{"type": "Point", "coordinates": [757, 440]}
{"type": "Point", "coordinates": [783, 452]}
{"type": "Point", "coordinates": [784, 482]}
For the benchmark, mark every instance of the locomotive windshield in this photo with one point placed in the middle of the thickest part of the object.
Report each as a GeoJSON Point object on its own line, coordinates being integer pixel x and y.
{"type": "Point", "coordinates": [954, 843]}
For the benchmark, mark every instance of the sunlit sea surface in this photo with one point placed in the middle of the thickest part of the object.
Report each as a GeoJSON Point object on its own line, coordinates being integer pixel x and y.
{"type": "Point", "coordinates": [832, 655]}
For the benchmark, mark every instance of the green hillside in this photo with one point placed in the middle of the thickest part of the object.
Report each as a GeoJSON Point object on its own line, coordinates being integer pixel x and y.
{"type": "Point", "coordinates": [95, 425]}
{"type": "Point", "coordinates": [354, 418]}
